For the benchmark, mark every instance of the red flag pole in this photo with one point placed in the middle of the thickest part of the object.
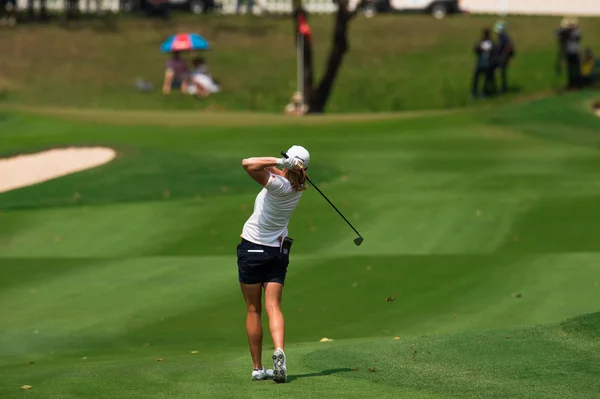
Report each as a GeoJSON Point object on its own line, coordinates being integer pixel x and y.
{"type": "Point", "coordinates": [299, 49]}
{"type": "Point", "coordinates": [301, 64]}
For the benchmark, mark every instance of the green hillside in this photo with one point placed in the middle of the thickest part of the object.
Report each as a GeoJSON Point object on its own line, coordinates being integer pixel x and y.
{"type": "Point", "coordinates": [395, 63]}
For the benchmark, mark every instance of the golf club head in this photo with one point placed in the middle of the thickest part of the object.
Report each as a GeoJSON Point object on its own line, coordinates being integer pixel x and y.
{"type": "Point", "coordinates": [358, 241]}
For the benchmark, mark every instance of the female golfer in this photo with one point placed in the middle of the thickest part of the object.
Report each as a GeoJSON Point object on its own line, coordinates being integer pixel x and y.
{"type": "Point", "coordinates": [263, 254]}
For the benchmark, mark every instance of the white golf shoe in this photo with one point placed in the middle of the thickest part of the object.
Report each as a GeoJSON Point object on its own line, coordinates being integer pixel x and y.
{"type": "Point", "coordinates": [262, 374]}
{"type": "Point", "coordinates": [279, 366]}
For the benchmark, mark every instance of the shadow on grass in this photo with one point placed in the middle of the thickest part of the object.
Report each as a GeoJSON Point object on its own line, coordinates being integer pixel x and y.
{"type": "Point", "coordinates": [292, 378]}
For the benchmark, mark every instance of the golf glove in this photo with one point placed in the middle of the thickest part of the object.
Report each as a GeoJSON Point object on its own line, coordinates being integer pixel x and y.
{"type": "Point", "coordinates": [290, 163]}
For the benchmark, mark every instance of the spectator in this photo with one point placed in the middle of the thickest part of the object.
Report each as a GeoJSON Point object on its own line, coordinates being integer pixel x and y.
{"type": "Point", "coordinates": [588, 66]}
{"type": "Point", "coordinates": [504, 52]}
{"type": "Point", "coordinates": [249, 6]}
{"type": "Point", "coordinates": [296, 106]}
{"type": "Point", "coordinates": [201, 82]}
{"type": "Point", "coordinates": [484, 50]}
{"type": "Point", "coordinates": [158, 7]}
{"type": "Point", "coordinates": [8, 10]}
{"type": "Point", "coordinates": [176, 73]}
{"type": "Point", "coordinates": [569, 38]}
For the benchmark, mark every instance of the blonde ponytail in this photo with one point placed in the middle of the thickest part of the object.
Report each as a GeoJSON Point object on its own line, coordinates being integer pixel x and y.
{"type": "Point", "coordinates": [297, 179]}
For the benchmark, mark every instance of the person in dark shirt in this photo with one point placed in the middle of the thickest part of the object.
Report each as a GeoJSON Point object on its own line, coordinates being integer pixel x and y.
{"type": "Point", "coordinates": [484, 51]}
{"type": "Point", "coordinates": [504, 53]}
{"type": "Point", "coordinates": [8, 12]}
{"type": "Point", "coordinates": [569, 48]}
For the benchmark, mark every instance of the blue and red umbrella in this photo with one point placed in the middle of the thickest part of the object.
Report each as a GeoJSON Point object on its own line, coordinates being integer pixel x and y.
{"type": "Point", "coordinates": [184, 42]}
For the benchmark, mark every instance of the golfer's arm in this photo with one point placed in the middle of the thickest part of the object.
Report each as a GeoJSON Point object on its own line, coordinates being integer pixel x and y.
{"type": "Point", "coordinates": [274, 170]}
{"type": "Point", "coordinates": [257, 168]}
{"type": "Point", "coordinates": [259, 164]}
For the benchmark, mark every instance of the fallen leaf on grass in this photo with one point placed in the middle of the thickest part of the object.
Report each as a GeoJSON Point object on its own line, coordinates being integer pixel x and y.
{"type": "Point", "coordinates": [391, 298]}
{"type": "Point", "coordinates": [194, 352]}
{"type": "Point", "coordinates": [396, 338]}
{"type": "Point", "coordinates": [26, 387]}
{"type": "Point", "coordinates": [355, 369]}
{"type": "Point", "coordinates": [372, 369]}
{"type": "Point", "coordinates": [508, 336]}
{"type": "Point", "coordinates": [160, 359]}
{"type": "Point", "coordinates": [326, 339]}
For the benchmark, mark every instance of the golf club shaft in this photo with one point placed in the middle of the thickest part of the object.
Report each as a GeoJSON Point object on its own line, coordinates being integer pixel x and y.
{"type": "Point", "coordinates": [324, 196]}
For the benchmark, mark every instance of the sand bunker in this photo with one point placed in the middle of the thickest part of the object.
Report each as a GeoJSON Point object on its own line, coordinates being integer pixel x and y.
{"type": "Point", "coordinates": [28, 169]}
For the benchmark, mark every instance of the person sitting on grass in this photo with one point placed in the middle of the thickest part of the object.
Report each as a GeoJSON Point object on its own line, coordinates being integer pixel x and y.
{"type": "Point", "coordinates": [296, 106]}
{"type": "Point", "coordinates": [201, 82]}
{"type": "Point", "coordinates": [176, 73]}
{"type": "Point", "coordinates": [588, 66]}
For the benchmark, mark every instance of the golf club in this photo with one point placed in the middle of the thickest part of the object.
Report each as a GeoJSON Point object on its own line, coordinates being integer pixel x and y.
{"type": "Point", "coordinates": [358, 240]}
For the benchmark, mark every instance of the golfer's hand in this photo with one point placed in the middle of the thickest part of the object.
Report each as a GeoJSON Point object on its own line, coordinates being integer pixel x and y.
{"type": "Point", "coordinates": [291, 163]}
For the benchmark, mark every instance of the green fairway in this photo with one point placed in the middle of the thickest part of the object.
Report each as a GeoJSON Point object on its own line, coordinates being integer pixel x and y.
{"type": "Point", "coordinates": [483, 225]}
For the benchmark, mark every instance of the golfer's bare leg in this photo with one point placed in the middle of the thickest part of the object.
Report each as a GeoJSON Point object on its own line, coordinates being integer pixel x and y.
{"type": "Point", "coordinates": [252, 295]}
{"type": "Point", "coordinates": [273, 306]}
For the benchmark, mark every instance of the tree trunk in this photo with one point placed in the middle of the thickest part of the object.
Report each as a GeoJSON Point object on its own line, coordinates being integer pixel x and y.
{"type": "Point", "coordinates": [307, 61]}
{"type": "Point", "coordinates": [316, 97]}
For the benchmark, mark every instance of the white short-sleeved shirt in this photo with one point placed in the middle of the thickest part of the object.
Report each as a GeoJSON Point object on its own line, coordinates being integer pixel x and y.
{"type": "Point", "coordinates": [273, 209]}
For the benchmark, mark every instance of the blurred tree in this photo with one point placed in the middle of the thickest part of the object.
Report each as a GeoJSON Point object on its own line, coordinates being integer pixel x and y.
{"type": "Point", "coordinates": [316, 97]}
{"type": "Point", "coordinates": [31, 11]}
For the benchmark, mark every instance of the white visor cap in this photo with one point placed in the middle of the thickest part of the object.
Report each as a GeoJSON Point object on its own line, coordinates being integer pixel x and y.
{"type": "Point", "coordinates": [301, 153]}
